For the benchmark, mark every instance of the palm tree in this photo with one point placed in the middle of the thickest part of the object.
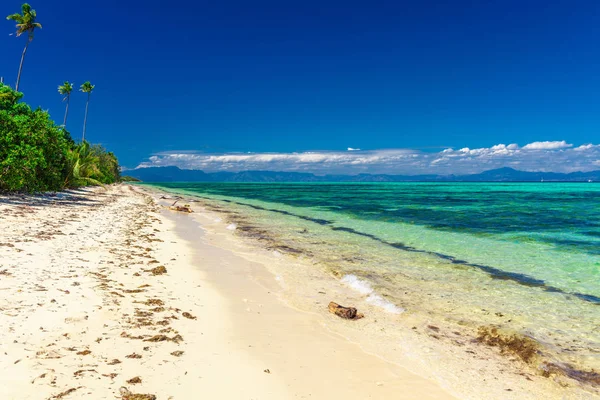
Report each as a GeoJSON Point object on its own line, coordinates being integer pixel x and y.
{"type": "Point", "coordinates": [65, 89]}
{"type": "Point", "coordinates": [87, 87]}
{"type": "Point", "coordinates": [25, 24]}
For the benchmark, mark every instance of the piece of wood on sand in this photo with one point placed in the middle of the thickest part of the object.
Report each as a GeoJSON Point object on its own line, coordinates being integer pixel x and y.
{"type": "Point", "coordinates": [185, 208]}
{"type": "Point", "coordinates": [344, 312]}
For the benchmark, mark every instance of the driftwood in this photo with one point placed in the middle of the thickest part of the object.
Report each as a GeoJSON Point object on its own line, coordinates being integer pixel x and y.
{"type": "Point", "coordinates": [344, 312]}
{"type": "Point", "coordinates": [186, 208]}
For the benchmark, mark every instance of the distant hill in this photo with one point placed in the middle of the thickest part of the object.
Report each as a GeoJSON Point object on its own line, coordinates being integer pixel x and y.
{"type": "Point", "coordinates": [174, 174]}
{"type": "Point", "coordinates": [513, 175]}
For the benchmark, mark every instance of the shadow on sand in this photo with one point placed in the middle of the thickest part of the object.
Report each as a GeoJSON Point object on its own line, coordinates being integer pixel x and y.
{"type": "Point", "coordinates": [73, 197]}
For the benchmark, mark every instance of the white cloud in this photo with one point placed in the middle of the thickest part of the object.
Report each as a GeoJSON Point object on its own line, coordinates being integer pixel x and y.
{"type": "Point", "coordinates": [557, 156]}
{"type": "Point", "coordinates": [588, 146]}
{"type": "Point", "coordinates": [547, 145]}
{"type": "Point", "coordinates": [351, 149]}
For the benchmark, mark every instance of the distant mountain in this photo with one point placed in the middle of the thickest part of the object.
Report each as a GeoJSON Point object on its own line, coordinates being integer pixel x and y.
{"type": "Point", "coordinates": [174, 174]}
{"type": "Point", "coordinates": [513, 175]}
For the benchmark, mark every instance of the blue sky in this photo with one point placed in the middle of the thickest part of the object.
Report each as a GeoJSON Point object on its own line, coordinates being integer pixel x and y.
{"type": "Point", "coordinates": [198, 84]}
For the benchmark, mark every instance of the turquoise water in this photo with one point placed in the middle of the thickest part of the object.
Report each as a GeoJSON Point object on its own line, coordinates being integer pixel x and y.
{"type": "Point", "coordinates": [467, 248]}
{"type": "Point", "coordinates": [535, 234]}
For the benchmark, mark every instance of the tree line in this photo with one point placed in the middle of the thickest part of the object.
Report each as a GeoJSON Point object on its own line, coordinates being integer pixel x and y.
{"type": "Point", "coordinates": [36, 154]}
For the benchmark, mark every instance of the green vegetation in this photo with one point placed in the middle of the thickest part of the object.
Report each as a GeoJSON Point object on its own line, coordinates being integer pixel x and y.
{"type": "Point", "coordinates": [32, 148]}
{"type": "Point", "coordinates": [35, 153]}
{"type": "Point", "coordinates": [38, 155]}
{"type": "Point", "coordinates": [127, 178]}
{"type": "Point", "coordinates": [87, 87]}
{"type": "Point", "coordinates": [65, 89]}
{"type": "Point", "coordinates": [26, 23]}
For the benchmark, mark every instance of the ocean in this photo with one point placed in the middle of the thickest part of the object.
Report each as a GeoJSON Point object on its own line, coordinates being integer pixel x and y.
{"type": "Point", "coordinates": [524, 257]}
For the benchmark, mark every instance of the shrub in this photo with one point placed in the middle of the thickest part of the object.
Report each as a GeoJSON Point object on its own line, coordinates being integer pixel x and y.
{"type": "Point", "coordinates": [38, 155]}
{"type": "Point", "coordinates": [32, 148]}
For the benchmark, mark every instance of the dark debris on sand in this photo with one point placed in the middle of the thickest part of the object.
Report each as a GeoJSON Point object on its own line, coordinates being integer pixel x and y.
{"type": "Point", "coordinates": [135, 380]}
{"type": "Point", "coordinates": [127, 395]}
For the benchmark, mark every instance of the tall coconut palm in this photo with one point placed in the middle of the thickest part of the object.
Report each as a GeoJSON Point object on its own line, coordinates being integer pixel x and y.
{"type": "Point", "coordinates": [87, 87]}
{"type": "Point", "coordinates": [25, 24]}
{"type": "Point", "coordinates": [65, 89]}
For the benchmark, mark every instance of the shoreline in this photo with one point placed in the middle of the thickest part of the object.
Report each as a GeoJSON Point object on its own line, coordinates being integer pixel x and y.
{"type": "Point", "coordinates": [85, 313]}
{"type": "Point", "coordinates": [291, 342]}
{"type": "Point", "coordinates": [465, 367]}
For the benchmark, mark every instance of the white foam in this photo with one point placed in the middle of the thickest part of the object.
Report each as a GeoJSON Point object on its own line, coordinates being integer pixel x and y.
{"type": "Point", "coordinates": [218, 219]}
{"type": "Point", "coordinates": [363, 287]}
{"type": "Point", "coordinates": [232, 227]}
{"type": "Point", "coordinates": [388, 306]}
{"type": "Point", "coordinates": [276, 253]}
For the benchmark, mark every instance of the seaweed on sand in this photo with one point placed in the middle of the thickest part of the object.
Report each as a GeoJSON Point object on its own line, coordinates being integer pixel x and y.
{"type": "Point", "coordinates": [142, 314]}
{"type": "Point", "coordinates": [143, 322]}
{"type": "Point", "coordinates": [164, 338]}
{"type": "Point", "coordinates": [522, 346]}
{"type": "Point", "coordinates": [129, 336]}
{"type": "Point", "coordinates": [135, 380]}
{"type": "Point", "coordinates": [65, 393]}
{"type": "Point", "coordinates": [127, 395]}
{"type": "Point", "coordinates": [157, 271]}
{"type": "Point", "coordinates": [82, 371]}
{"type": "Point", "coordinates": [133, 290]}
{"type": "Point", "coordinates": [188, 315]}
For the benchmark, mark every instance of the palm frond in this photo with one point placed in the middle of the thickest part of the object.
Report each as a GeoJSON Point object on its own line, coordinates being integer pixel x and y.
{"type": "Point", "coordinates": [26, 22]}
{"type": "Point", "coordinates": [87, 87]}
{"type": "Point", "coordinates": [65, 89]}
{"type": "Point", "coordinates": [83, 167]}
{"type": "Point", "coordinates": [18, 18]}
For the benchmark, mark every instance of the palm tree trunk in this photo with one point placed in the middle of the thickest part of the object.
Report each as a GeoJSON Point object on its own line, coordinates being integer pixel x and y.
{"type": "Point", "coordinates": [67, 111]}
{"type": "Point", "coordinates": [21, 65]}
{"type": "Point", "coordinates": [85, 118]}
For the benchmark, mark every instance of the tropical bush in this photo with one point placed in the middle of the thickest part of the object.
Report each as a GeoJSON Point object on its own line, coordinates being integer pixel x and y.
{"type": "Point", "coordinates": [91, 165]}
{"type": "Point", "coordinates": [38, 155]}
{"type": "Point", "coordinates": [32, 147]}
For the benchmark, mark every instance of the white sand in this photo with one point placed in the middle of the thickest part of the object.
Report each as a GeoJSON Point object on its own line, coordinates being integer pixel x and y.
{"type": "Point", "coordinates": [73, 288]}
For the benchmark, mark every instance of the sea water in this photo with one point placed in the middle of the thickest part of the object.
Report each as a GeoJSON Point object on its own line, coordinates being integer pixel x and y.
{"type": "Point", "coordinates": [521, 256]}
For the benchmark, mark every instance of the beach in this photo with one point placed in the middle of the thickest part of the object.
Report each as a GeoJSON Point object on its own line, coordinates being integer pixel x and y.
{"type": "Point", "coordinates": [357, 201]}
{"type": "Point", "coordinates": [106, 293]}
{"type": "Point", "coordinates": [479, 306]}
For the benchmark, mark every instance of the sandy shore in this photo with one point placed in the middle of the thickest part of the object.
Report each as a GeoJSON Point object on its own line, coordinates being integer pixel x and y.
{"type": "Point", "coordinates": [87, 312]}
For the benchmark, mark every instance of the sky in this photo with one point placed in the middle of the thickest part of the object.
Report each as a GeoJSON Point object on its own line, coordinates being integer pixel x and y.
{"type": "Point", "coordinates": [419, 87]}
